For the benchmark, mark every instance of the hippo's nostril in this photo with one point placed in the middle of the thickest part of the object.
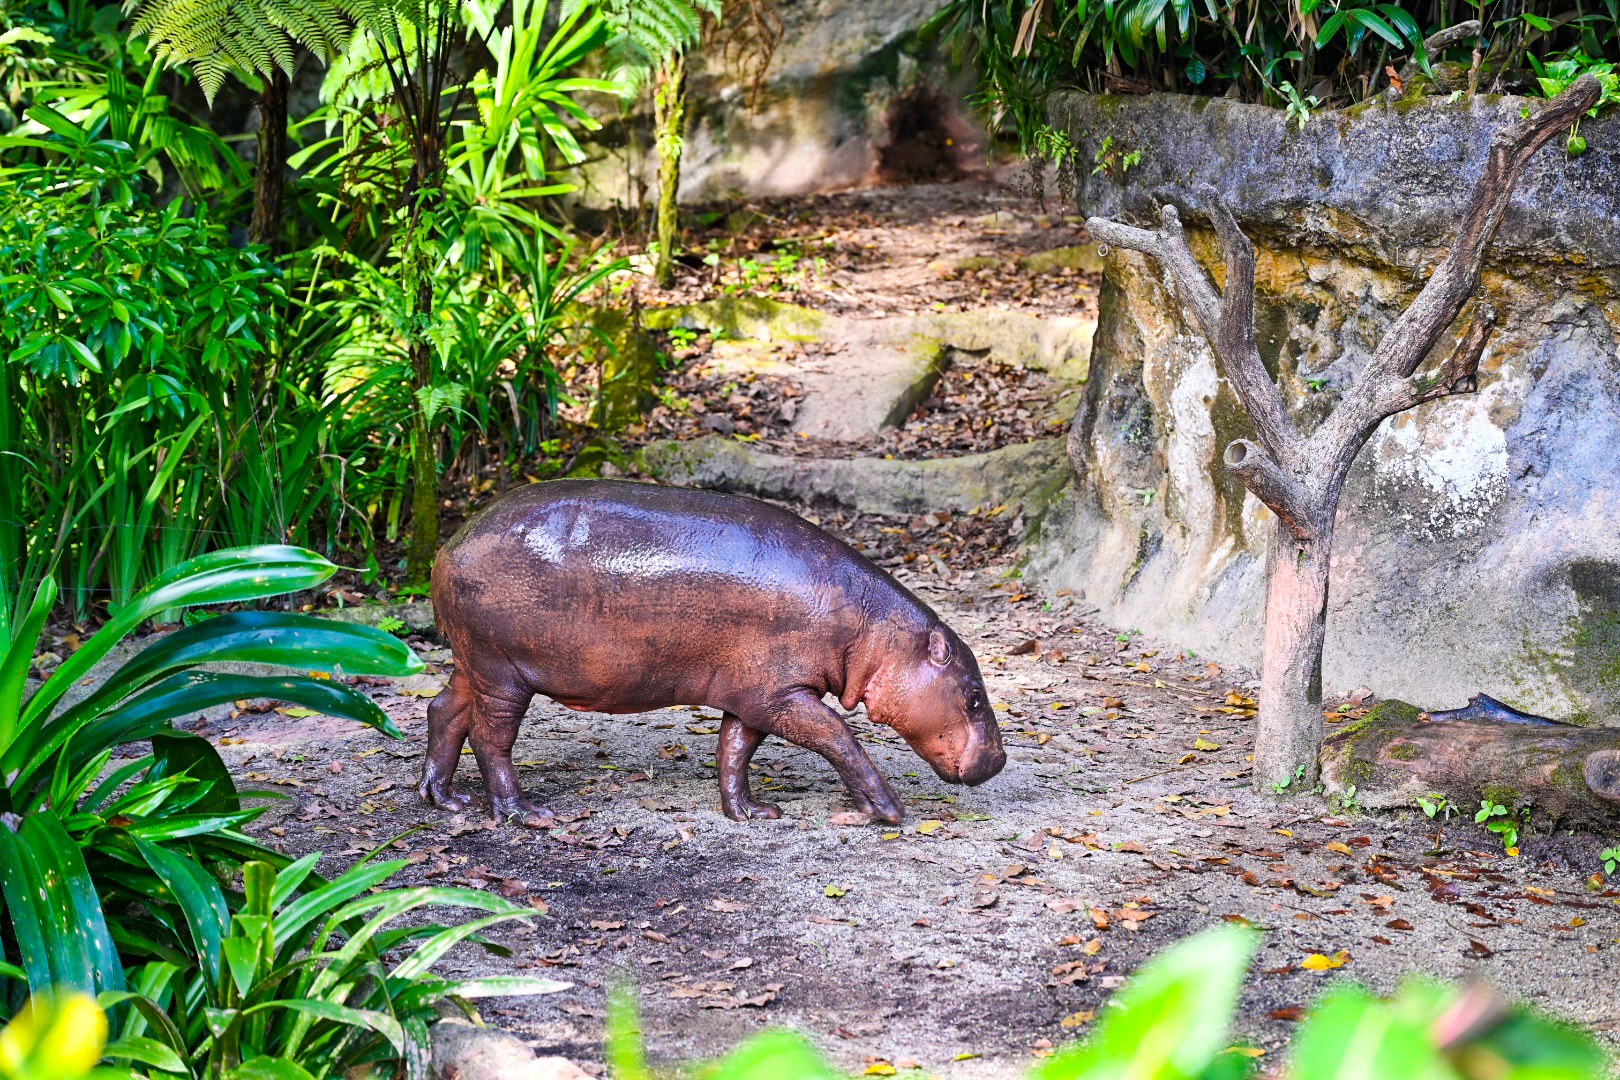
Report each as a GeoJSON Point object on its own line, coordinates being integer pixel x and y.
{"type": "Point", "coordinates": [983, 767]}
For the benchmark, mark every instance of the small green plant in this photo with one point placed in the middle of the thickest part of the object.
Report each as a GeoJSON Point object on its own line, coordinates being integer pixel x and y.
{"type": "Point", "coordinates": [390, 624]}
{"type": "Point", "coordinates": [1283, 785]}
{"type": "Point", "coordinates": [1556, 75]}
{"type": "Point", "coordinates": [1345, 801]}
{"type": "Point", "coordinates": [1435, 803]}
{"type": "Point", "coordinates": [1299, 106]}
{"type": "Point", "coordinates": [1108, 158]}
{"type": "Point", "coordinates": [1611, 859]}
{"type": "Point", "coordinates": [1508, 826]}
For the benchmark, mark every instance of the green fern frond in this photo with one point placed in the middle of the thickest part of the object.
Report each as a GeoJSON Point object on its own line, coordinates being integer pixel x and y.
{"type": "Point", "coordinates": [221, 37]}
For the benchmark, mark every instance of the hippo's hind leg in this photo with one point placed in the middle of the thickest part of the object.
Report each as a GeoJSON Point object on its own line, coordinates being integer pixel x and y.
{"type": "Point", "coordinates": [450, 718]}
{"type": "Point", "coordinates": [737, 745]}
{"type": "Point", "coordinates": [496, 719]}
{"type": "Point", "coordinates": [804, 720]}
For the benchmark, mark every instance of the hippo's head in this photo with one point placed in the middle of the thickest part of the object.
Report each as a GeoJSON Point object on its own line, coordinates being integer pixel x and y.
{"type": "Point", "coordinates": [930, 691]}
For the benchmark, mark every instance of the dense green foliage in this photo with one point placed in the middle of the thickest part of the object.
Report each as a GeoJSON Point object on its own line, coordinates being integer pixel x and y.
{"type": "Point", "coordinates": [1301, 54]}
{"type": "Point", "coordinates": [171, 392]}
{"type": "Point", "coordinates": [135, 882]}
{"type": "Point", "coordinates": [1173, 1019]}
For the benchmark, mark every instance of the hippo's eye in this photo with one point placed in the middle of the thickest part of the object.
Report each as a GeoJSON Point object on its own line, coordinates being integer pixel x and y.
{"type": "Point", "coordinates": [974, 702]}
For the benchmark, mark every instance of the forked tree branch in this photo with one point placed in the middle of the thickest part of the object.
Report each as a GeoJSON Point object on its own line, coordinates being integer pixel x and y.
{"type": "Point", "coordinates": [1272, 485]}
{"type": "Point", "coordinates": [1453, 281]}
{"type": "Point", "coordinates": [1458, 375]}
{"type": "Point", "coordinates": [1226, 318]}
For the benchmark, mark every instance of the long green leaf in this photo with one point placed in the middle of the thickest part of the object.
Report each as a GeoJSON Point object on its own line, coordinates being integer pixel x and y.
{"type": "Point", "coordinates": [383, 1024]}
{"type": "Point", "coordinates": [269, 1068]}
{"type": "Point", "coordinates": [221, 577]}
{"type": "Point", "coordinates": [55, 913]}
{"type": "Point", "coordinates": [149, 713]}
{"type": "Point", "coordinates": [18, 655]}
{"type": "Point", "coordinates": [199, 898]}
{"type": "Point", "coordinates": [265, 637]}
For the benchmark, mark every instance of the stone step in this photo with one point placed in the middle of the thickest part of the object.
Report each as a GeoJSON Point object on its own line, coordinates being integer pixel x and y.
{"type": "Point", "coordinates": [1028, 474]}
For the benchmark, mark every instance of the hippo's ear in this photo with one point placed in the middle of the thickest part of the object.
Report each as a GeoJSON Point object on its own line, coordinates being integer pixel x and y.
{"type": "Point", "coordinates": [939, 647]}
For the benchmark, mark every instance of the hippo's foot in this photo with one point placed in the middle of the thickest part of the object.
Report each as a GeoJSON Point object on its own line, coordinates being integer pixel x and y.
{"type": "Point", "coordinates": [884, 808]}
{"type": "Point", "coordinates": [529, 814]}
{"type": "Point", "coordinates": [439, 794]}
{"type": "Point", "coordinates": [745, 807]}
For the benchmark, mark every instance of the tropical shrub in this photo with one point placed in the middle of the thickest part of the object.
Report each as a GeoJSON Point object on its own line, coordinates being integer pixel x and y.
{"type": "Point", "coordinates": [93, 862]}
{"type": "Point", "coordinates": [130, 338]}
{"type": "Point", "coordinates": [298, 986]}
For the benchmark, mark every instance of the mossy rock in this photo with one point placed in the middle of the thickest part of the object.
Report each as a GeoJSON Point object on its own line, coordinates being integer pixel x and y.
{"type": "Point", "coordinates": [1082, 257]}
{"type": "Point", "coordinates": [748, 318]}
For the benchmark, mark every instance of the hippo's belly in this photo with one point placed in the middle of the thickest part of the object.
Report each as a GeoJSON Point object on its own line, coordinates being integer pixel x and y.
{"type": "Point", "coordinates": [611, 615]}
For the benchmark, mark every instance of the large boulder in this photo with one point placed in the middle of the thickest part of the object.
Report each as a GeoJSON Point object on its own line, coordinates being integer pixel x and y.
{"type": "Point", "coordinates": [851, 95]}
{"type": "Point", "coordinates": [1477, 546]}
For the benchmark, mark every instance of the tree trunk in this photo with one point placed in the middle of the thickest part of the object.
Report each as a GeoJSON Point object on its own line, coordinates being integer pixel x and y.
{"type": "Point", "coordinates": [270, 175]}
{"type": "Point", "coordinates": [1565, 774]}
{"type": "Point", "coordinates": [1288, 735]}
{"type": "Point", "coordinates": [424, 499]}
{"type": "Point", "coordinates": [669, 111]}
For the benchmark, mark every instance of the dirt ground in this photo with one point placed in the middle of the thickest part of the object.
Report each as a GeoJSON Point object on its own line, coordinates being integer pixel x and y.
{"type": "Point", "coordinates": [997, 920]}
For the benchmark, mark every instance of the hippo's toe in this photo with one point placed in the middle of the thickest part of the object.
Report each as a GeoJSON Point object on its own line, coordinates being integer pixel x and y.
{"type": "Point", "coordinates": [745, 809]}
{"type": "Point", "coordinates": [529, 814]}
{"type": "Point", "coordinates": [441, 796]}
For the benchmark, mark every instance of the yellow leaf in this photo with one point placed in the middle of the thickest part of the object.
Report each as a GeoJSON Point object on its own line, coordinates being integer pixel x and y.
{"type": "Point", "coordinates": [297, 712]}
{"type": "Point", "coordinates": [1078, 1019]}
{"type": "Point", "coordinates": [1512, 852]}
{"type": "Point", "coordinates": [891, 836]}
{"type": "Point", "coordinates": [1318, 962]}
{"type": "Point", "coordinates": [929, 826]}
{"type": "Point", "coordinates": [1541, 892]}
{"type": "Point", "coordinates": [1246, 1051]}
{"type": "Point", "coordinates": [1205, 745]}
{"type": "Point", "coordinates": [1577, 921]}
{"type": "Point", "coordinates": [834, 891]}
{"type": "Point", "coordinates": [880, 1068]}
{"type": "Point", "coordinates": [1343, 849]}
{"type": "Point", "coordinates": [1055, 851]}
{"type": "Point", "coordinates": [1283, 832]}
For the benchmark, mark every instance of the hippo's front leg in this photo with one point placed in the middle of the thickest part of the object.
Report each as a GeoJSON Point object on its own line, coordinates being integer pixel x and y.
{"type": "Point", "coordinates": [737, 745]}
{"type": "Point", "coordinates": [804, 720]}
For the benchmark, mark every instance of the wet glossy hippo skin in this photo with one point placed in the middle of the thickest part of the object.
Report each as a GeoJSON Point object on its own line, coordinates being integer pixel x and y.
{"type": "Point", "coordinates": [618, 597]}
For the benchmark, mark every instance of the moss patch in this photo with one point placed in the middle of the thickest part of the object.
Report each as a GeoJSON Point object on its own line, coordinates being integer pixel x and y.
{"type": "Point", "coordinates": [1404, 752]}
{"type": "Point", "coordinates": [1398, 711]}
{"type": "Point", "coordinates": [747, 317]}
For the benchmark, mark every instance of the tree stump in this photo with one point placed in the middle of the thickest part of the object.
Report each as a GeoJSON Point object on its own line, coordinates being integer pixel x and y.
{"type": "Point", "coordinates": [1569, 775]}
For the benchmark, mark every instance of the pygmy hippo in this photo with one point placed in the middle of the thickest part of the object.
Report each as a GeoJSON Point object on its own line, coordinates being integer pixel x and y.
{"type": "Point", "coordinates": [619, 597]}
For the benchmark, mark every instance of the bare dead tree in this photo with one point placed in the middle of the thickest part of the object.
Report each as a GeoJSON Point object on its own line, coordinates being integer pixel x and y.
{"type": "Point", "coordinates": [1300, 476]}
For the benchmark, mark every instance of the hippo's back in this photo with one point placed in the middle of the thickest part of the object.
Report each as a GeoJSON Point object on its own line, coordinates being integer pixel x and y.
{"type": "Point", "coordinates": [615, 573]}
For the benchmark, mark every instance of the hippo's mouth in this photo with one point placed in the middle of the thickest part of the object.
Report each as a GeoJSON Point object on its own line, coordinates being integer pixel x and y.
{"type": "Point", "coordinates": [972, 773]}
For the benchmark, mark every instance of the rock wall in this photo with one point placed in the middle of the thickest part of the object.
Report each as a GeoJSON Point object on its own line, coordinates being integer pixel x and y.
{"type": "Point", "coordinates": [1479, 537]}
{"type": "Point", "coordinates": [851, 97]}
